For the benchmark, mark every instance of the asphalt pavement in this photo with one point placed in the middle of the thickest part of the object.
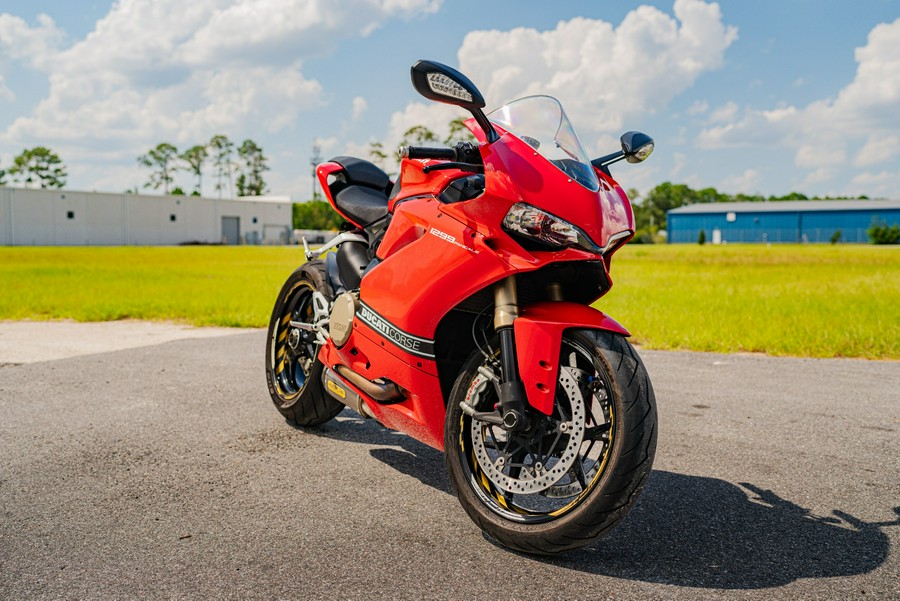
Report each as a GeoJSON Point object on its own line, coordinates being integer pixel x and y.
{"type": "Point", "coordinates": [164, 471]}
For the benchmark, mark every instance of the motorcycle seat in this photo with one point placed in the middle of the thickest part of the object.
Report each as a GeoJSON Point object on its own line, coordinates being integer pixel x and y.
{"type": "Point", "coordinates": [361, 190]}
{"type": "Point", "coordinates": [362, 204]}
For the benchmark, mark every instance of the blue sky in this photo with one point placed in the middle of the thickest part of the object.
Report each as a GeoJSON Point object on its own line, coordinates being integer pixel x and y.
{"type": "Point", "coordinates": [755, 97]}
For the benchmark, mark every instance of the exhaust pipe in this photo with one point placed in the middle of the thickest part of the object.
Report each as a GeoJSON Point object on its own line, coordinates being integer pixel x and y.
{"type": "Point", "coordinates": [386, 392]}
{"type": "Point", "coordinates": [336, 388]}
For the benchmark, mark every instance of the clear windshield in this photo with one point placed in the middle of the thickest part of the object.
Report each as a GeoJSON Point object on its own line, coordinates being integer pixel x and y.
{"type": "Point", "coordinates": [541, 122]}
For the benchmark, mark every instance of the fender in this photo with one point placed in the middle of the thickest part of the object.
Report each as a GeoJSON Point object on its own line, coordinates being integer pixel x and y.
{"type": "Point", "coordinates": [538, 332]}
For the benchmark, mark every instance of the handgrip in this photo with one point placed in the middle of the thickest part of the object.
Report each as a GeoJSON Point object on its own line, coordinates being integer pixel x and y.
{"type": "Point", "coordinates": [423, 152]}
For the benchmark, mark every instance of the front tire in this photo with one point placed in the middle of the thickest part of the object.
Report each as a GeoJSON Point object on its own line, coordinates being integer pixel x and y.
{"type": "Point", "coordinates": [573, 475]}
{"type": "Point", "coordinates": [293, 370]}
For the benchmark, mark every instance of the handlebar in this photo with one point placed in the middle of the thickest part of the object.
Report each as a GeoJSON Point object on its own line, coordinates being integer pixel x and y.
{"type": "Point", "coordinates": [463, 152]}
{"type": "Point", "coordinates": [423, 152]}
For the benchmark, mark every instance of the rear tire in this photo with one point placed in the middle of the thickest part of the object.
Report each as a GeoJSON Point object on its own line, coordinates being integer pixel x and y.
{"type": "Point", "coordinates": [604, 417]}
{"type": "Point", "coordinates": [293, 370]}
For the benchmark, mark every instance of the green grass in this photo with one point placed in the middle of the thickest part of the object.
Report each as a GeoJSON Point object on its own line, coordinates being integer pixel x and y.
{"type": "Point", "coordinates": [816, 301]}
{"type": "Point", "coordinates": [199, 285]}
{"type": "Point", "coordinates": [812, 301]}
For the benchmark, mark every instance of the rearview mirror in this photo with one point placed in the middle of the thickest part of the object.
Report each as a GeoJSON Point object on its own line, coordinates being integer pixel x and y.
{"type": "Point", "coordinates": [444, 84]}
{"type": "Point", "coordinates": [636, 146]}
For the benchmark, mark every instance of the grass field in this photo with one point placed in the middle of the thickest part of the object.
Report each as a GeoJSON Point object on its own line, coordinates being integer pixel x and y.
{"type": "Point", "coordinates": [200, 285]}
{"type": "Point", "coordinates": [812, 301]}
{"type": "Point", "coordinates": [817, 301]}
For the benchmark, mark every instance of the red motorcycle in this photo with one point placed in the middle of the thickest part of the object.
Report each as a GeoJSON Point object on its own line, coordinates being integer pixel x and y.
{"type": "Point", "coordinates": [457, 308]}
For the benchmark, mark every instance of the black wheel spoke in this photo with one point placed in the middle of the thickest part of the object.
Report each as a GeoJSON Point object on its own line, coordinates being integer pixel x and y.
{"type": "Point", "coordinates": [578, 472]}
{"type": "Point", "coordinates": [594, 432]}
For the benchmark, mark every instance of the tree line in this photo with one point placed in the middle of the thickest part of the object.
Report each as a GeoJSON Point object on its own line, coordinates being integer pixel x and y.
{"type": "Point", "coordinates": [40, 166]}
{"type": "Point", "coordinates": [247, 161]}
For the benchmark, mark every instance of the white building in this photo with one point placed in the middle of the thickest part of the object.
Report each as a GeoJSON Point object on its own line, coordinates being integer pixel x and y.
{"type": "Point", "coordinates": [68, 218]}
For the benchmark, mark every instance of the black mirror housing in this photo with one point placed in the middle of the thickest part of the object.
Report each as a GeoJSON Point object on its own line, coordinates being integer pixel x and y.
{"type": "Point", "coordinates": [441, 83]}
{"type": "Point", "coordinates": [444, 84]}
{"type": "Point", "coordinates": [637, 146]}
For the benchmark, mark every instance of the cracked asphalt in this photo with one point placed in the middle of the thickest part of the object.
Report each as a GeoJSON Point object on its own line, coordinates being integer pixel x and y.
{"type": "Point", "coordinates": [163, 471]}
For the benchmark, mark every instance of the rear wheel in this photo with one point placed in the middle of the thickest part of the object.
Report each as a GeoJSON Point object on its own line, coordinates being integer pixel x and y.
{"type": "Point", "coordinates": [572, 475]}
{"type": "Point", "coordinates": [293, 371]}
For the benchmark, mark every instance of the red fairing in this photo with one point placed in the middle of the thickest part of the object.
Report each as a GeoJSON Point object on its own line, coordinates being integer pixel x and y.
{"type": "Point", "coordinates": [421, 415]}
{"type": "Point", "coordinates": [517, 177]}
{"type": "Point", "coordinates": [323, 171]}
{"type": "Point", "coordinates": [430, 263]}
{"type": "Point", "coordinates": [538, 333]}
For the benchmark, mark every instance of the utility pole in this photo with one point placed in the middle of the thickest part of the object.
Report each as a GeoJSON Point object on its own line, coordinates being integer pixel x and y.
{"type": "Point", "coordinates": [314, 160]}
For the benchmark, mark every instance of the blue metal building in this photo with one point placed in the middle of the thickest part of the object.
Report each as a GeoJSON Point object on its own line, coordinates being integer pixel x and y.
{"type": "Point", "coordinates": [780, 221]}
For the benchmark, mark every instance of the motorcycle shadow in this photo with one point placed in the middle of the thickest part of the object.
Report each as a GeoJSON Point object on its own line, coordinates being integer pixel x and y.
{"type": "Point", "coordinates": [685, 530]}
{"type": "Point", "coordinates": [401, 452]}
{"type": "Point", "coordinates": [708, 533]}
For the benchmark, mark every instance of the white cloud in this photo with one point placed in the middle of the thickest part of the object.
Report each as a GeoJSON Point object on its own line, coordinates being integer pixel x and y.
{"type": "Point", "coordinates": [285, 28]}
{"type": "Point", "coordinates": [360, 106]}
{"type": "Point", "coordinates": [744, 182]}
{"type": "Point", "coordinates": [879, 148]}
{"type": "Point", "coordinates": [327, 145]}
{"type": "Point", "coordinates": [34, 45]}
{"type": "Point", "coordinates": [181, 72]}
{"type": "Point", "coordinates": [698, 107]}
{"type": "Point", "coordinates": [819, 175]}
{"type": "Point", "coordinates": [435, 117]}
{"type": "Point", "coordinates": [865, 109]}
{"type": "Point", "coordinates": [679, 161]}
{"type": "Point", "coordinates": [883, 184]}
{"type": "Point", "coordinates": [724, 113]}
{"type": "Point", "coordinates": [816, 156]}
{"type": "Point", "coordinates": [602, 74]}
{"type": "Point", "coordinates": [5, 92]}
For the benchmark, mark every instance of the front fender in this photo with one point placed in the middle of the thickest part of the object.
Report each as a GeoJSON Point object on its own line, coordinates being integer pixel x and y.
{"type": "Point", "coordinates": [538, 332]}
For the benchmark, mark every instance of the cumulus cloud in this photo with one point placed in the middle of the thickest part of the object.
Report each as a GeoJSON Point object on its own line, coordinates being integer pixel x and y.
{"type": "Point", "coordinates": [602, 74]}
{"type": "Point", "coordinates": [863, 111]}
{"type": "Point", "coordinates": [435, 117]}
{"type": "Point", "coordinates": [34, 45]}
{"type": "Point", "coordinates": [5, 92]}
{"type": "Point", "coordinates": [879, 148]}
{"type": "Point", "coordinates": [743, 182]}
{"type": "Point", "coordinates": [169, 70]}
{"type": "Point", "coordinates": [360, 106]}
{"type": "Point", "coordinates": [883, 183]}
{"type": "Point", "coordinates": [724, 113]}
{"type": "Point", "coordinates": [698, 107]}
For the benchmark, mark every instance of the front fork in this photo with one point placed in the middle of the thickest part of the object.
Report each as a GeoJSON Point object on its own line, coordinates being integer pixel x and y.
{"type": "Point", "coordinates": [510, 412]}
{"type": "Point", "coordinates": [512, 391]}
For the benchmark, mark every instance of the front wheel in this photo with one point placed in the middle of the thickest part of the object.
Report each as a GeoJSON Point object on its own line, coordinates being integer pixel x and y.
{"type": "Point", "coordinates": [571, 476]}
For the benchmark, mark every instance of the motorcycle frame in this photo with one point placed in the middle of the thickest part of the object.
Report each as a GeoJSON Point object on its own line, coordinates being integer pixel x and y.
{"type": "Point", "coordinates": [451, 257]}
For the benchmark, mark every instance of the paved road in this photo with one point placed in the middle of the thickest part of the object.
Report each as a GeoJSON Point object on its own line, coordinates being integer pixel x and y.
{"type": "Point", "coordinates": [163, 472]}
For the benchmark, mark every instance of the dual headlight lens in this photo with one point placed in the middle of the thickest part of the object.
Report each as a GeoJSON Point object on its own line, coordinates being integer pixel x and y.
{"type": "Point", "coordinates": [526, 220]}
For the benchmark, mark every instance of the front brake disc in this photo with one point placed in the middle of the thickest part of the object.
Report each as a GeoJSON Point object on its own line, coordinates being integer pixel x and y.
{"type": "Point", "coordinates": [494, 448]}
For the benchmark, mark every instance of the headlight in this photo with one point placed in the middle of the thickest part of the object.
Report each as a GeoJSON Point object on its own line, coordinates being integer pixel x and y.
{"type": "Point", "coordinates": [526, 220]}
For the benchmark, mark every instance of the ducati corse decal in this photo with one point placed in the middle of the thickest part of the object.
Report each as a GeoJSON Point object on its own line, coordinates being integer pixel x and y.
{"type": "Point", "coordinates": [421, 347]}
